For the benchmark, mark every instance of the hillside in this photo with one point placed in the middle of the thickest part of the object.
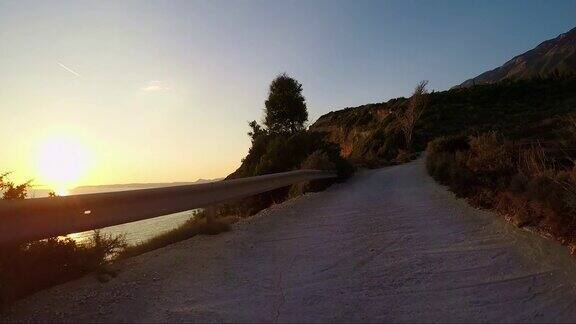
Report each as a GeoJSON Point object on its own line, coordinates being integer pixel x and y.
{"type": "Point", "coordinates": [368, 134]}
{"type": "Point", "coordinates": [557, 55]}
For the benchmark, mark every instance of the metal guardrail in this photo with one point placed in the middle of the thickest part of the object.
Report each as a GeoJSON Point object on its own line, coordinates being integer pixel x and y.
{"type": "Point", "coordinates": [39, 218]}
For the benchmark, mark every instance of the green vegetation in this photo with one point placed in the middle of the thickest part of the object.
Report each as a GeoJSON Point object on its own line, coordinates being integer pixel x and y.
{"type": "Point", "coordinates": [285, 107]}
{"type": "Point", "coordinates": [318, 160]}
{"type": "Point", "coordinates": [283, 144]}
{"type": "Point", "coordinates": [532, 183]}
{"type": "Point", "coordinates": [12, 191]}
{"type": "Point", "coordinates": [516, 159]}
{"type": "Point", "coordinates": [372, 137]}
{"type": "Point", "coordinates": [30, 267]}
{"type": "Point", "coordinates": [514, 108]}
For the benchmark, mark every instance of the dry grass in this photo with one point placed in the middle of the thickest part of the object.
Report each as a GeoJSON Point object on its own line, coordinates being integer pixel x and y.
{"type": "Point", "coordinates": [489, 153]}
{"type": "Point", "coordinates": [532, 161]}
{"type": "Point", "coordinates": [403, 156]}
{"type": "Point", "coordinates": [197, 225]}
{"type": "Point", "coordinates": [524, 183]}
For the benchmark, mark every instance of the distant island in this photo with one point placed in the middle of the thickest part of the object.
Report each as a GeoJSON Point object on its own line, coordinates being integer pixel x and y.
{"type": "Point", "coordinates": [130, 186]}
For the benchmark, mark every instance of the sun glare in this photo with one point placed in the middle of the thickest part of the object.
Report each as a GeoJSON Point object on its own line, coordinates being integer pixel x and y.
{"type": "Point", "coordinates": [62, 161]}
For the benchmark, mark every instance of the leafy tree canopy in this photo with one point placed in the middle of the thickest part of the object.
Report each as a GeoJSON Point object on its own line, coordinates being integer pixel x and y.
{"type": "Point", "coordinates": [285, 107]}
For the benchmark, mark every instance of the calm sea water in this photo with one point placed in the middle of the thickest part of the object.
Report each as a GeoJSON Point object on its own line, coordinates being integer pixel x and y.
{"type": "Point", "coordinates": [135, 232]}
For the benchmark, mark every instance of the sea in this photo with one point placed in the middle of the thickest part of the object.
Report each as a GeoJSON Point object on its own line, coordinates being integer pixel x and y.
{"type": "Point", "coordinates": [134, 232]}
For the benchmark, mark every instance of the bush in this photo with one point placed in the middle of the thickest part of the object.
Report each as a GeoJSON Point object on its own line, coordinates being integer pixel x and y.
{"type": "Point", "coordinates": [448, 144]}
{"type": "Point", "coordinates": [444, 163]}
{"type": "Point", "coordinates": [489, 154]}
{"type": "Point", "coordinates": [272, 153]}
{"type": "Point", "coordinates": [319, 160]}
{"type": "Point", "coordinates": [404, 156]}
{"type": "Point", "coordinates": [522, 211]}
{"type": "Point", "coordinates": [27, 268]}
{"type": "Point", "coordinates": [525, 183]}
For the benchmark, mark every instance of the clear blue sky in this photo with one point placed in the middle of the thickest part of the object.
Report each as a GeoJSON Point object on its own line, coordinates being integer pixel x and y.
{"type": "Point", "coordinates": [163, 90]}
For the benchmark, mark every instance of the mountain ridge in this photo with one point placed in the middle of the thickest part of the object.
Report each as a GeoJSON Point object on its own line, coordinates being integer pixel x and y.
{"type": "Point", "coordinates": [138, 185]}
{"type": "Point", "coordinates": [556, 55]}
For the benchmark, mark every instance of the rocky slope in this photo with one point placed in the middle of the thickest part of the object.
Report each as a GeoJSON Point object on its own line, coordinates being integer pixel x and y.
{"type": "Point", "coordinates": [343, 126]}
{"type": "Point", "coordinates": [557, 55]}
{"type": "Point", "coordinates": [363, 132]}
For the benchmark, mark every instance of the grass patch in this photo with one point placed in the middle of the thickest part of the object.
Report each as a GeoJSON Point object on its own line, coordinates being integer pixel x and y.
{"type": "Point", "coordinates": [200, 224]}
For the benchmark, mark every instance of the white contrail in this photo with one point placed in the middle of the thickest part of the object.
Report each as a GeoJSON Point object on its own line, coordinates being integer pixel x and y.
{"type": "Point", "coordinates": [68, 69]}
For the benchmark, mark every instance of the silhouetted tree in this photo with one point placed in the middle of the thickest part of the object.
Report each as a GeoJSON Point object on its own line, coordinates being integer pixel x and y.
{"type": "Point", "coordinates": [12, 191]}
{"type": "Point", "coordinates": [285, 107]}
{"type": "Point", "coordinates": [255, 130]}
{"type": "Point", "coordinates": [410, 116]}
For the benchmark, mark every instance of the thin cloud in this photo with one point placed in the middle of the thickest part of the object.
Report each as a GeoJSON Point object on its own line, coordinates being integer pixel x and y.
{"type": "Point", "coordinates": [69, 69]}
{"type": "Point", "coordinates": [156, 86]}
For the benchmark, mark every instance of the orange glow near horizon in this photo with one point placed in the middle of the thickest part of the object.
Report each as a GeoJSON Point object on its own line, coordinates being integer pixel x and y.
{"type": "Point", "coordinates": [61, 162]}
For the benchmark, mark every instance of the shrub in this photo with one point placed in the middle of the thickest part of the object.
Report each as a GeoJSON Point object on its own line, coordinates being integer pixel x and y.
{"type": "Point", "coordinates": [519, 180]}
{"type": "Point", "coordinates": [444, 163]}
{"type": "Point", "coordinates": [403, 156]}
{"type": "Point", "coordinates": [12, 191]}
{"type": "Point", "coordinates": [448, 144]}
{"type": "Point", "coordinates": [27, 268]}
{"type": "Point", "coordinates": [272, 153]}
{"type": "Point", "coordinates": [319, 160]}
{"type": "Point", "coordinates": [522, 211]}
{"type": "Point", "coordinates": [489, 154]}
{"type": "Point", "coordinates": [482, 198]}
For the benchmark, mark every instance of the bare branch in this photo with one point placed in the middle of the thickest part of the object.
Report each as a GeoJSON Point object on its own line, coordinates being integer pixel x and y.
{"type": "Point", "coordinates": [408, 118]}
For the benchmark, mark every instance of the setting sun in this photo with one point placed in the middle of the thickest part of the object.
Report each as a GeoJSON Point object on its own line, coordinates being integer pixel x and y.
{"type": "Point", "coordinates": [62, 161]}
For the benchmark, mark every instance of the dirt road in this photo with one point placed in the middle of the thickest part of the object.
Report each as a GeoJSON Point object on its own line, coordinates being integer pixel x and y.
{"type": "Point", "coordinates": [389, 245]}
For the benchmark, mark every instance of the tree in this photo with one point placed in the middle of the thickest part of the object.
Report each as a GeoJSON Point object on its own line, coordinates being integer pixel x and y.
{"type": "Point", "coordinates": [12, 191]}
{"type": "Point", "coordinates": [410, 116]}
{"type": "Point", "coordinates": [255, 130]}
{"type": "Point", "coordinates": [285, 107]}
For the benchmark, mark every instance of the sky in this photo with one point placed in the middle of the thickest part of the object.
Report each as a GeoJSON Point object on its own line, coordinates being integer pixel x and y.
{"type": "Point", "coordinates": [162, 91]}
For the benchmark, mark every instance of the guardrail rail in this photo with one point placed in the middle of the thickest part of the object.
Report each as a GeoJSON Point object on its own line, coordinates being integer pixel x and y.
{"type": "Point", "coordinates": [39, 218]}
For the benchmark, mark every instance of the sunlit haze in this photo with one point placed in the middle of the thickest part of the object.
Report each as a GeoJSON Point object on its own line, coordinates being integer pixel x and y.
{"type": "Point", "coordinates": [62, 162]}
{"type": "Point", "coordinates": [148, 91]}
